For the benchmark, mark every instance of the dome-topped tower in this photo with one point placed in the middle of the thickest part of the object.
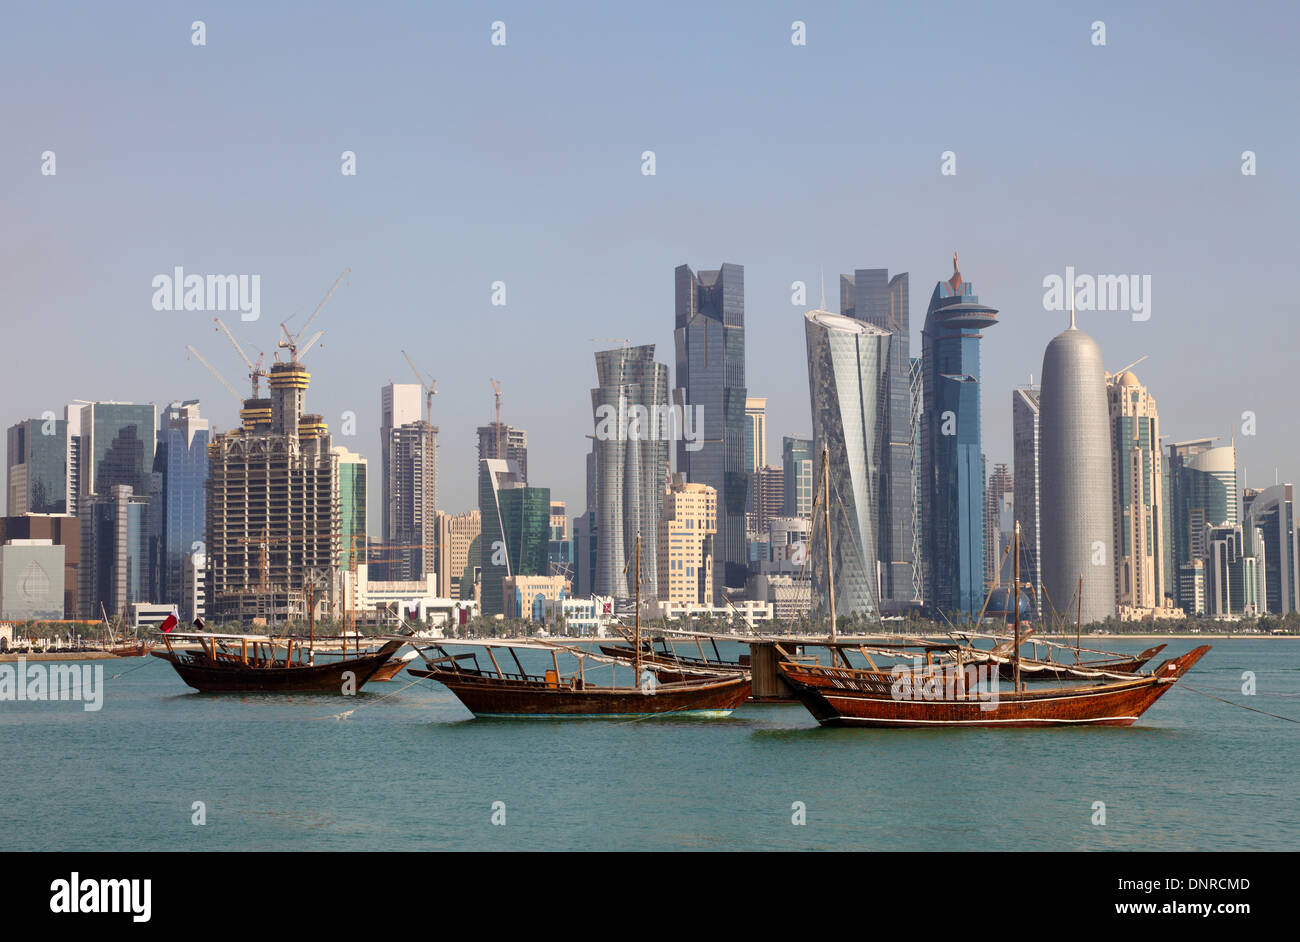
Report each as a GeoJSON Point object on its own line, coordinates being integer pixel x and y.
{"type": "Point", "coordinates": [1075, 460]}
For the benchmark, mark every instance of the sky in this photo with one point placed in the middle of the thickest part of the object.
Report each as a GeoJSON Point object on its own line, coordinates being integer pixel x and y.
{"type": "Point", "coordinates": [522, 163]}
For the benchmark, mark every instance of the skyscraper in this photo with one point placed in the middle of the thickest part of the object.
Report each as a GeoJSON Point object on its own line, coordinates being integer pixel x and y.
{"type": "Point", "coordinates": [1234, 571]}
{"type": "Point", "coordinates": [516, 530]}
{"type": "Point", "coordinates": [1139, 489]}
{"type": "Point", "coordinates": [848, 384]}
{"type": "Point", "coordinates": [710, 339]}
{"type": "Point", "coordinates": [755, 458]}
{"type": "Point", "coordinates": [505, 442]}
{"type": "Point", "coordinates": [399, 404]}
{"type": "Point", "coordinates": [354, 506]}
{"type": "Point", "coordinates": [630, 410]}
{"type": "Point", "coordinates": [999, 503]}
{"type": "Point", "coordinates": [410, 483]}
{"type": "Point", "coordinates": [1203, 494]}
{"type": "Point", "coordinates": [117, 446]}
{"type": "Point", "coordinates": [181, 465]}
{"type": "Point", "coordinates": [455, 536]}
{"type": "Point", "coordinates": [767, 487]}
{"type": "Point", "coordinates": [755, 433]}
{"type": "Point", "coordinates": [871, 296]}
{"type": "Point", "coordinates": [952, 494]}
{"type": "Point", "coordinates": [796, 477]}
{"type": "Point", "coordinates": [412, 486]}
{"type": "Point", "coordinates": [38, 467]}
{"type": "Point", "coordinates": [685, 544]}
{"type": "Point", "coordinates": [272, 504]}
{"type": "Point", "coordinates": [1272, 512]}
{"type": "Point", "coordinates": [1078, 537]}
{"type": "Point", "coordinates": [114, 568]}
{"type": "Point", "coordinates": [1028, 488]}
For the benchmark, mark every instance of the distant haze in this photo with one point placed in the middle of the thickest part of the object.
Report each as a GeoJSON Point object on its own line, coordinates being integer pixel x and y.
{"type": "Point", "coordinates": [522, 164]}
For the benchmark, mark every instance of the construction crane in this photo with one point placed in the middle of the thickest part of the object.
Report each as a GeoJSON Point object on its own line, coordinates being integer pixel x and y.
{"type": "Point", "coordinates": [496, 392]}
{"type": "Point", "coordinates": [1122, 369]}
{"type": "Point", "coordinates": [264, 545]}
{"type": "Point", "coordinates": [429, 386]}
{"type": "Point", "coordinates": [212, 369]}
{"type": "Point", "coordinates": [255, 372]}
{"type": "Point", "coordinates": [290, 341]}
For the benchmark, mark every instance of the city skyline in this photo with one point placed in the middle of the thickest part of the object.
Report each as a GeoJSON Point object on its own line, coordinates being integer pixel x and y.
{"type": "Point", "coordinates": [91, 245]}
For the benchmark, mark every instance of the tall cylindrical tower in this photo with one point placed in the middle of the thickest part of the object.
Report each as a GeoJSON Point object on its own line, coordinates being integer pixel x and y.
{"type": "Point", "coordinates": [848, 382]}
{"type": "Point", "coordinates": [1077, 535]}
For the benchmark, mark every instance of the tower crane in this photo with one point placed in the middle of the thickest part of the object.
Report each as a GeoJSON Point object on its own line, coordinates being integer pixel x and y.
{"type": "Point", "coordinates": [496, 392]}
{"type": "Point", "coordinates": [255, 372]}
{"type": "Point", "coordinates": [290, 341]}
{"type": "Point", "coordinates": [1122, 369]}
{"type": "Point", "coordinates": [212, 369]}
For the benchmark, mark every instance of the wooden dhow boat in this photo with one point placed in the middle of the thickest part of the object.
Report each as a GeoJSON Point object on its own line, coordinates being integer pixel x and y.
{"type": "Point", "coordinates": [553, 694]}
{"type": "Point", "coordinates": [950, 692]}
{"type": "Point", "coordinates": [225, 663]}
{"type": "Point", "coordinates": [393, 666]}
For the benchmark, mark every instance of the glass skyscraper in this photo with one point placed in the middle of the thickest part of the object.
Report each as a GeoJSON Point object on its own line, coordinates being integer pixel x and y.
{"type": "Point", "coordinates": [871, 296]}
{"type": "Point", "coordinates": [1203, 481]}
{"type": "Point", "coordinates": [117, 446]}
{"type": "Point", "coordinates": [710, 341]}
{"type": "Point", "coordinates": [848, 382]}
{"type": "Point", "coordinates": [1272, 513]}
{"type": "Point", "coordinates": [181, 465]}
{"type": "Point", "coordinates": [952, 496]}
{"type": "Point", "coordinates": [354, 506]}
{"type": "Point", "coordinates": [1027, 485]}
{"type": "Point", "coordinates": [114, 568]}
{"type": "Point", "coordinates": [629, 407]}
{"type": "Point", "coordinates": [515, 537]}
{"type": "Point", "coordinates": [797, 472]}
{"type": "Point", "coordinates": [38, 467]}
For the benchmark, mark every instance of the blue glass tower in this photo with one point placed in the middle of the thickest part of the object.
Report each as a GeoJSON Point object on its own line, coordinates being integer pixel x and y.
{"type": "Point", "coordinates": [181, 461]}
{"type": "Point", "coordinates": [710, 342]}
{"type": "Point", "coordinates": [952, 487]}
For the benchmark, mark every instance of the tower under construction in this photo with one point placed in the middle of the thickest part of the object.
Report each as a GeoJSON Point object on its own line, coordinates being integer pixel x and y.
{"type": "Point", "coordinates": [273, 508]}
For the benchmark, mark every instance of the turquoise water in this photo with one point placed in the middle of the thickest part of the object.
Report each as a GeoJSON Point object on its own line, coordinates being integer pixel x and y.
{"type": "Point", "coordinates": [410, 770]}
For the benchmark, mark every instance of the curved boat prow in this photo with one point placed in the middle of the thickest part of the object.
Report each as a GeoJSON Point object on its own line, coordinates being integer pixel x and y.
{"type": "Point", "coordinates": [1176, 667]}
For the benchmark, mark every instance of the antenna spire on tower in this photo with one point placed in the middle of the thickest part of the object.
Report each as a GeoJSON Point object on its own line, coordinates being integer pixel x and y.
{"type": "Point", "coordinates": [1072, 324]}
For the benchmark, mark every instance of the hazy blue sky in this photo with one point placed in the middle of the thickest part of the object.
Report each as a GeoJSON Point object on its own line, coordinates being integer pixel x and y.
{"type": "Point", "coordinates": [521, 163]}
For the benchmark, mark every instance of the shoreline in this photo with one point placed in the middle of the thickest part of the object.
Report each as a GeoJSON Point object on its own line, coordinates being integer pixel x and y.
{"type": "Point", "coordinates": [11, 658]}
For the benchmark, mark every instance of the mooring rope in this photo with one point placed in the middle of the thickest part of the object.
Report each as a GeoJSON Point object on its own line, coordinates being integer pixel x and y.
{"type": "Point", "coordinates": [1241, 706]}
{"type": "Point", "coordinates": [148, 659]}
{"type": "Point", "coordinates": [346, 713]}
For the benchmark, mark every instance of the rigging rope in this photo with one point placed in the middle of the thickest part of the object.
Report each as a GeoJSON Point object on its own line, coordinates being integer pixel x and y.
{"type": "Point", "coordinates": [1240, 706]}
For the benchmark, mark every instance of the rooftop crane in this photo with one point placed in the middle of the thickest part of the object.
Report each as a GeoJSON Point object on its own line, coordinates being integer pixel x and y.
{"type": "Point", "coordinates": [290, 341]}
{"type": "Point", "coordinates": [496, 392]}
{"type": "Point", "coordinates": [214, 372]}
{"type": "Point", "coordinates": [1123, 369]}
{"type": "Point", "coordinates": [430, 387]}
{"type": "Point", "coordinates": [255, 372]}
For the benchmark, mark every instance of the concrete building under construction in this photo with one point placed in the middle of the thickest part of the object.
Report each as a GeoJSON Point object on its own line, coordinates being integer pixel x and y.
{"type": "Point", "coordinates": [273, 507]}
